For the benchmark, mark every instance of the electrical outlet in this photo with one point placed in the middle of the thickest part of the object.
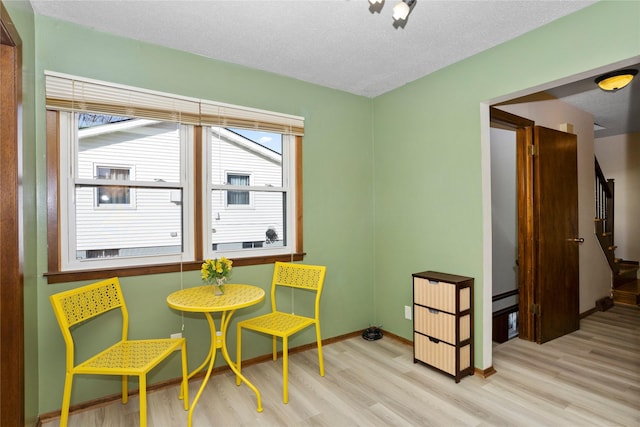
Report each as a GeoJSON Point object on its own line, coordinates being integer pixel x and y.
{"type": "Point", "coordinates": [176, 335]}
{"type": "Point", "coordinates": [407, 312]}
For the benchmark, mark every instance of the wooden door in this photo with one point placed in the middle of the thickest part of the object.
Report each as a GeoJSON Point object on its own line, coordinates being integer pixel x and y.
{"type": "Point", "coordinates": [547, 187]}
{"type": "Point", "coordinates": [556, 239]}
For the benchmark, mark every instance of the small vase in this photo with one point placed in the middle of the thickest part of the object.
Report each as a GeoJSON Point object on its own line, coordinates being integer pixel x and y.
{"type": "Point", "coordinates": [219, 286]}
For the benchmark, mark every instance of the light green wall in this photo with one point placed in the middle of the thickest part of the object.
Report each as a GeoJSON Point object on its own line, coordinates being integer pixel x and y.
{"type": "Point", "coordinates": [427, 144]}
{"type": "Point", "coordinates": [383, 198]}
{"type": "Point", "coordinates": [337, 175]}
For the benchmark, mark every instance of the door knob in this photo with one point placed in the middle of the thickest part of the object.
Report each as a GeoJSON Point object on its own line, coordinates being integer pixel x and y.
{"type": "Point", "coordinates": [578, 240]}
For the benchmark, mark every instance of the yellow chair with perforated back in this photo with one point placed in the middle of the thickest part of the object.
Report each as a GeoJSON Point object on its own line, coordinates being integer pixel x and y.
{"type": "Point", "coordinates": [283, 324]}
{"type": "Point", "coordinates": [125, 357]}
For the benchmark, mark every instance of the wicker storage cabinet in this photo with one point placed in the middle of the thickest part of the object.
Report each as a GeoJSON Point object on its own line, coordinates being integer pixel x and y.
{"type": "Point", "coordinates": [443, 322]}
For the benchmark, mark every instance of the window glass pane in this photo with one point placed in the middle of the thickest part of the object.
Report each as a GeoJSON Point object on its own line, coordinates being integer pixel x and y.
{"type": "Point", "coordinates": [260, 227]}
{"type": "Point", "coordinates": [154, 227]}
{"type": "Point", "coordinates": [271, 141]}
{"type": "Point", "coordinates": [113, 195]}
{"type": "Point", "coordinates": [238, 198]}
{"type": "Point", "coordinates": [238, 179]}
{"type": "Point", "coordinates": [149, 150]}
{"type": "Point", "coordinates": [234, 154]}
{"type": "Point", "coordinates": [87, 120]}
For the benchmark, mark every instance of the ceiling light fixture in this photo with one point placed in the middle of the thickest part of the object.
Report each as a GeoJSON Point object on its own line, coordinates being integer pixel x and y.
{"type": "Point", "coordinates": [401, 10]}
{"type": "Point", "coordinates": [616, 80]}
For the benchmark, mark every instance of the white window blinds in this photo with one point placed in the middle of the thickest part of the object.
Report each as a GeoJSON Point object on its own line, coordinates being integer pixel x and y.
{"type": "Point", "coordinates": [230, 116]}
{"type": "Point", "coordinates": [72, 93]}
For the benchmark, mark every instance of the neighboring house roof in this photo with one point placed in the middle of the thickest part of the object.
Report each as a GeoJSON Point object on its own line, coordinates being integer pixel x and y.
{"type": "Point", "coordinates": [111, 127]}
{"type": "Point", "coordinates": [248, 145]}
{"type": "Point", "coordinates": [86, 120]}
{"type": "Point", "coordinates": [110, 124]}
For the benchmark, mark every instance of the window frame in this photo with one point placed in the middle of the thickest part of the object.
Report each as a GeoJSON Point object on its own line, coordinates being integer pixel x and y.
{"type": "Point", "coordinates": [68, 181]}
{"type": "Point", "coordinates": [291, 182]}
{"type": "Point", "coordinates": [55, 272]}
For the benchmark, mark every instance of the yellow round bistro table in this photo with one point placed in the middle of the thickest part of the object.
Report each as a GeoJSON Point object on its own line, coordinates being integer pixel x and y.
{"type": "Point", "coordinates": [202, 299]}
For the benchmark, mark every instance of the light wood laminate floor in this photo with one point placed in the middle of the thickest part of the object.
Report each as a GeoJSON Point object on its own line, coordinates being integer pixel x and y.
{"type": "Point", "coordinates": [588, 378]}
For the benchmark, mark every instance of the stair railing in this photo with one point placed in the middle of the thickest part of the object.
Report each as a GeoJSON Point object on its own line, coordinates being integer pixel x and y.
{"type": "Point", "coordinates": [604, 200]}
{"type": "Point", "coordinates": [605, 213]}
{"type": "Point", "coordinates": [624, 271]}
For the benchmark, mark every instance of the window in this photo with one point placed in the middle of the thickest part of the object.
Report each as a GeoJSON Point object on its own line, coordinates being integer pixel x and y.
{"type": "Point", "coordinates": [102, 253]}
{"type": "Point", "coordinates": [260, 215]}
{"type": "Point", "coordinates": [237, 198]}
{"type": "Point", "coordinates": [104, 225]}
{"type": "Point", "coordinates": [113, 196]}
{"type": "Point", "coordinates": [141, 183]}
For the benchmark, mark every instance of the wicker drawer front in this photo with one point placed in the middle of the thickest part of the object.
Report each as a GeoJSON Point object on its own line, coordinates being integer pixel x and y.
{"type": "Point", "coordinates": [436, 324]}
{"type": "Point", "coordinates": [440, 354]}
{"type": "Point", "coordinates": [438, 295]}
{"type": "Point", "coordinates": [441, 325]}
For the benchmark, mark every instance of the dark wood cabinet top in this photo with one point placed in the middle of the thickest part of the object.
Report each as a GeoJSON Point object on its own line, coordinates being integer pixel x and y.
{"type": "Point", "coordinates": [442, 277]}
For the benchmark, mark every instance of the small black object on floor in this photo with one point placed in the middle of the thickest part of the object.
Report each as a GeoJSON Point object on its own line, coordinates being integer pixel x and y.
{"type": "Point", "coordinates": [372, 333]}
{"type": "Point", "coordinates": [604, 304]}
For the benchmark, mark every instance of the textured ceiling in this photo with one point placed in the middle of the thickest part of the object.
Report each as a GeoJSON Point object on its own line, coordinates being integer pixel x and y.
{"type": "Point", "coordinates": [614, 113]}
{"type": "Point", "coordinates": [342, 44]}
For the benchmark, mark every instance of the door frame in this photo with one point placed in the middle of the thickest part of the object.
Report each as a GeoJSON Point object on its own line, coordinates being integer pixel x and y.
{"type": "Point", "coordinates": [12, 399]}
{"type": "Point", "coordinates": [485, 106]}
{"type": "Point", "coordinates": [529, 224]}
{"type": "Point", "coordinates": [526, 225]}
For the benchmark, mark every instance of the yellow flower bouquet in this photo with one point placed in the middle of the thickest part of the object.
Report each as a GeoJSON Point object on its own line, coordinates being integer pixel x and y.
{"type": "Point", "coordinates": [216, 271]}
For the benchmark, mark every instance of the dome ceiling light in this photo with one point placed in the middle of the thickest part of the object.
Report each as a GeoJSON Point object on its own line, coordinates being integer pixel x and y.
{"type": "Point", "coordinates": [616, 80]}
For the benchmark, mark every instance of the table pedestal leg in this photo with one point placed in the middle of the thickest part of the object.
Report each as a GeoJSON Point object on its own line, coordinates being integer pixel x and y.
{"type": "Point", "coordinates": [211, 358]}
{"type": "Point", "coordinates": [218, 341]}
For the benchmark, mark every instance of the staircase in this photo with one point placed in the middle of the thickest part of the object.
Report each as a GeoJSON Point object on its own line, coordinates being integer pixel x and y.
{"type": "Point", "coordinates": [625, 283]}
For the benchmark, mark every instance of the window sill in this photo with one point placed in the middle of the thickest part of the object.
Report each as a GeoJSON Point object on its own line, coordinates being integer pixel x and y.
{"type": "Point", "coordinates": [143, 270]}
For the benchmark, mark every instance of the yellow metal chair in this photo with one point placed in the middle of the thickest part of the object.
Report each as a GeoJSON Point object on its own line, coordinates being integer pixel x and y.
{"type": "Point", "coordinates": [125, 358]}
{"type": "Point", "coordinates": [283, 324]}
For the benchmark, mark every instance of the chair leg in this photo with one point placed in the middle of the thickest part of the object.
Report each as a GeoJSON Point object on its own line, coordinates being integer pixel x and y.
{"type": "Point", "coordinates": [239, 353]}
{"type": "Point", "coordinates": [274, 345]}
{"type": "Point", "coordinates": [285, 369]}
{"type": "Point", "coordinates": [125, 389]}
{"type": "Point", "coordinates": [143, 400]}
{"type": "Point", "coordinates": [319, 341]}
{"type": "Point", "coordinates": [185, 377]}
{"type": "Point", "coordinates": [66, 400]}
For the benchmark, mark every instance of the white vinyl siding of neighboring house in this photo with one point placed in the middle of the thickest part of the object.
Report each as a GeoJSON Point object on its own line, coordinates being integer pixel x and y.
{"type": "Point", "coordinates": [152, 153]}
